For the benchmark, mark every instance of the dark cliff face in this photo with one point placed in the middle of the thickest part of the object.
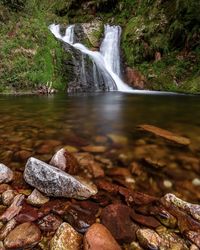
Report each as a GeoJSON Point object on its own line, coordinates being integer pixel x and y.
{"type": "Point", "coordinates": [82, 73]}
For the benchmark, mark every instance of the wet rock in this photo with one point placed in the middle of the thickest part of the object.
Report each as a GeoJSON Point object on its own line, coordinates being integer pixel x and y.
{"type": "Point", "coordinates": [81, 215]}
{"type": "Point", "coordinates": [65, 161]}
{"type": "Point", "coordinates": [4, 187]}
{"type": "Point", "coordinates": [7, 197]}
{"type": "Point", "coordinates": [196, 182]}
{"type": "Point", "coordinates": [2, 246]}
{"type": "Point", "coordinates": [136, 198]}
{"type": "Point", "coordinates": [116, 218]}
{"type": "Point", "coordinates": [194, 236]}
{"type": "Point", "coordinates": [88, 163]}
{"type": "Point", "coordinates": [7, 228]}
{"type": "Point", "coordinates": [149, 239]}
{"type": "Point", "coordinates": [148, 221]}
{"type": "Point", "coordinates": [193, 209]}
{"type": "Point", "coordinates": [155, 162]}
{"type": "Point", "coordinates": [101, 139]}
{"type": "Point", "coordinates": [27, 214]}
{"type": "Point", "coordinates": [71, 149]}
{"type": "Point", "coordinates": [167, 183]}
{"type": "Point", "coordinates": [165, 134]}
{"type": "Point", "coordinates": [14, 208]}
{"type": "Point", "coordinates": [6, 174]}
{"type": "Point", "coordinates": [47, 146]}
{"type": "Point", "coordinates": [163, 216]}
{"type": "Point", "coordinates": [36, 198]}
{"type": "Point", "coordinates": [135, 78]}
{"type": "Point", "coordinates": [50, 223]}
{"type": "Point", "coordinates": [194, 247]}
{"type": "Point", "coordinates": [98, 237]}
{"type": "Point", "coordinates": [91, 30]}
{"type": "Point", "coordinates": [55, 206]}
{"type": "Point", "coordinates": [94, 149]}
{"type": "Point", "coordinates": [54, 182]}
{"type": "Point", "coordinates": [25, 235]}
{"type": "Point", "coordinates": [22, 155]}
{"type": "Point", "coordinates": [118, 139]}
{"type": "Point", "coordinates": [135, 246]}
{"type": "Point", "coordinates": [171, 240]}
{"type": "Point", "coordinates": [66, 238]}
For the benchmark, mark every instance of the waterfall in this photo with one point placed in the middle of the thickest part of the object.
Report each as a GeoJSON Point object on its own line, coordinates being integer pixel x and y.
{"type": "Point", "coordinates": [106, 63]}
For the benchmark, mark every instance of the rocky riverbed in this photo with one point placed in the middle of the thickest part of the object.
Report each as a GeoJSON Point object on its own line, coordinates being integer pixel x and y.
{"type": "Point", "coordinates": [106, 193]}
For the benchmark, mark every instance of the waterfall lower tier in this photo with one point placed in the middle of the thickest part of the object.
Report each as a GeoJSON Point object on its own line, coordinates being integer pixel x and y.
{"type": "Point", "coordinates": [93, 70]}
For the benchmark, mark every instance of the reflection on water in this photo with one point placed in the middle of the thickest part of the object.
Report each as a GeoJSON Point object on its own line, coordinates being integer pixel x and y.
{"type": "Point", "coordinates": [38, 126]}
{"type": "Point", "coordinates": [102, 113]}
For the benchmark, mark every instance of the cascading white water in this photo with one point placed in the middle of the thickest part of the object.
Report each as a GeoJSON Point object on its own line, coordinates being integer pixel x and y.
{"type": "Point", "coordinates": [107, 61]}
{"type": "Point", "coordinates": [110, 48]}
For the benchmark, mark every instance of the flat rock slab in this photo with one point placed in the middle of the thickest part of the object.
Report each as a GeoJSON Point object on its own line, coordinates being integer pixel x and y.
{"type": "Point", "coordinates": [54, 182]}
{"type": "Point", "coordinates": [166, 134]}
{"type": "Point", "coordinates": [6, 174]}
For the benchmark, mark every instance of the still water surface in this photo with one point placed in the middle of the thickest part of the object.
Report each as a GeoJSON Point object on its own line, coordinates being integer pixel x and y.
{"type": "Point", "coordinates": [39, 125]}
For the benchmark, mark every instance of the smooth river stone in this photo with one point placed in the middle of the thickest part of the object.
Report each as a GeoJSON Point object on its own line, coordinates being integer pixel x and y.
{"type": "Point", "coordinates": [6, 174]}
{"type": "Point", "coordinates": [54, 182]}
{"type": "Point", "coordinates": [24, 236]}
{"type": "Point", "coordinates": [99, 237]}
{"type": "Point", "coordinates": [66, 238]}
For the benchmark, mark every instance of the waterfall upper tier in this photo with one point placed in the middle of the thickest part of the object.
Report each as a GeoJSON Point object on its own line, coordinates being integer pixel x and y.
{"type": "Point", "coordinates": [104, 66]}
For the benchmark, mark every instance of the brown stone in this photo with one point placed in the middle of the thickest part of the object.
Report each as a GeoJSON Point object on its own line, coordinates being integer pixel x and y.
{"type": "Point", "coordinates": [50, 223]}
{"type": "Point", "coordinates": [7, 197]}
{"type": "Point", "coordinates": [135, 78]}
{"type": "Point", "coordinates": [98, 237]}
{"type": "Point", "coordinates": [66, 238]}
{"type": "Point", "coordinates": [81, 215]}
{"type": "Point", "coordinates": [27, 214]}
{"type": "Point", "coordinates": [65, 161]}
{"type": "Point", "coordinates": [117, 219]}
{"type": "Point", "coordinates": [14, 208]}
{"type": "Point", "coordinates": [36, 198]}
{"type": "Point", "coordinates": [166, 134]}
{"type": "Point", "coordinates": [23, 236]}
{"type": "Point", "coordinates": [94, 149]}
{"type": "Point", "coordinates": [7, 228]}
{"type": "Point", "coordinates": [149, 239]}
{"type": "Point", "coordinates": [88, 163]}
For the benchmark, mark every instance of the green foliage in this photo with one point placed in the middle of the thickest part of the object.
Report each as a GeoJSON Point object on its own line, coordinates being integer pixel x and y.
{"type": "Point", "coordinates": [15, 5]}
{"type": "Point", "coordinates": [30, 55]}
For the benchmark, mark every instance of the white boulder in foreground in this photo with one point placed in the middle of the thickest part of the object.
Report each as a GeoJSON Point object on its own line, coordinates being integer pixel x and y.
{"type": "Point", "coordinates": [54, 182]}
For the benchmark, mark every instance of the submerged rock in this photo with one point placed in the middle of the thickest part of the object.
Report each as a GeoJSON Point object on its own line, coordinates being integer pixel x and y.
{"type": "Point", "coordinates": [7, 228]}
{"type": "Point", "coordinates": [192, 209]}
{"type": "Point", "coordinates": [7, 197]}
{"type": "Point", "coordinates": [94, 149]}
{"type": "Point", "coordinates": [24, 236]}
{"type": "Point", "coordinates": [54, 182]}
{"type": "Point", "coordinates": [149, 239]}
{"type": "Point", "coordinates": [117, 219]}
{"type": "Point", "coordinates": [36, 198]}
{"type": "Point", "coordinates": [6, 174]}
{"type": "Point", "coordinates": [66, 238]}
{"type": "Point", "coordinates": [166, 134]}
{"type": "Point", "coordinates": [98, 237]}
{"type": "Point", "coordinates": [14, 208]}
{"type": "Point", "coordinates": [65, 161]}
